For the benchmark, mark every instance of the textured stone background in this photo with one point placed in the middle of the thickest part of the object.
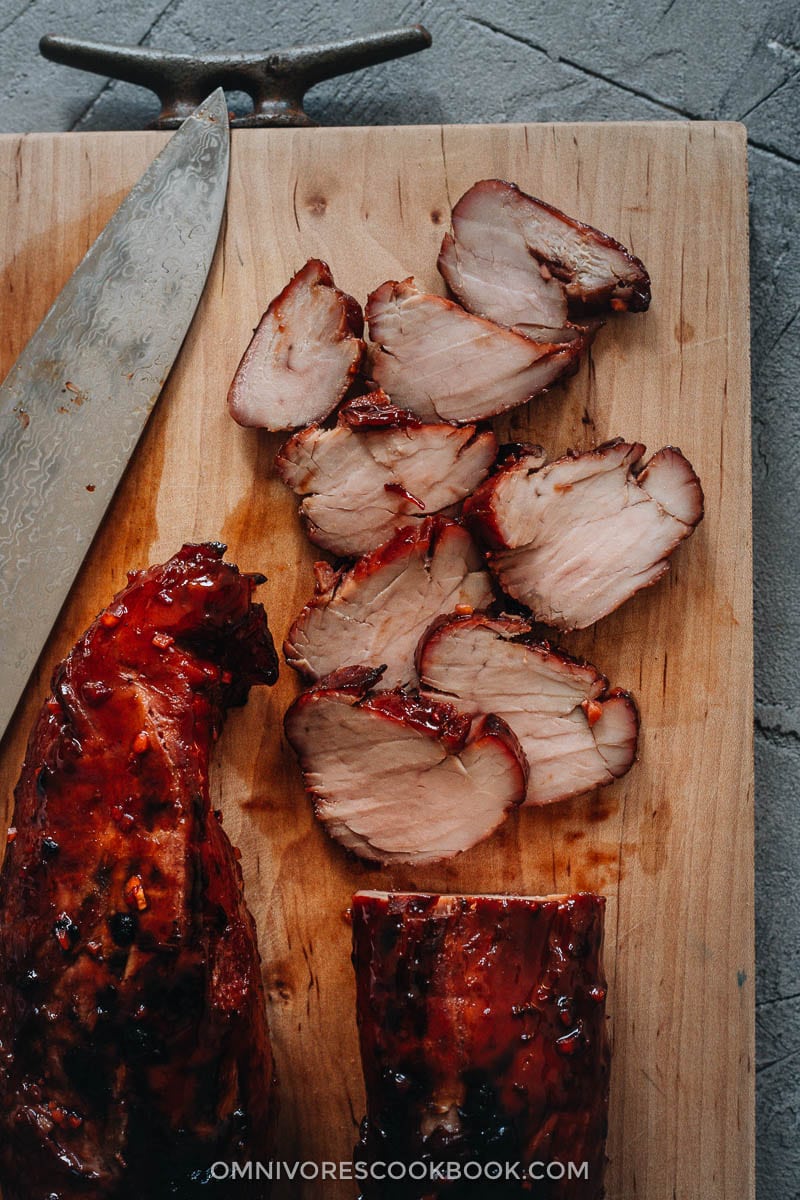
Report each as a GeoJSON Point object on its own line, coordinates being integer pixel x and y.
{"type": "Point", "coordinates": [515, 60]}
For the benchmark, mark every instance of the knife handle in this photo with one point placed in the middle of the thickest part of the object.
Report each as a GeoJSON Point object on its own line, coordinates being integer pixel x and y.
{"type": "Point", "coordinates": [276, 81]}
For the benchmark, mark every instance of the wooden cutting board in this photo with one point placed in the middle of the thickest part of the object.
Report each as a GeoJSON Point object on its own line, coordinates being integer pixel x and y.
{"type": "Point", "coordinates": [671, 844]}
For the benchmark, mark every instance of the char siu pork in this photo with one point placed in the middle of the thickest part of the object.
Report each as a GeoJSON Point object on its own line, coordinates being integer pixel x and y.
{"type": "Point", "coordinates": [379, 470]}
{"type": "Point", "coordinates": [375, 612]}
{"type": "Point", "coordinates": [575, 734]}
{"type": "Point", "coordinates": [573, 540]}
{"type": "Point", "coordinates": [447, 365]}
{"type": "Point", "coordinates": [397, 779]}
{"type": "Point", "coordinates": [133, 1041]}
{"type": "Point", "coordinates": [302, 357]}
{"type": "Point", "coordinates": [522, 263]}
{"type": "Point", "coordinates": [483, 1042]}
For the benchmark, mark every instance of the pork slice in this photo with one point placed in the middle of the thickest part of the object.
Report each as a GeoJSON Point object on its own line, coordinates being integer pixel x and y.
{"type": "Point", "coordinates": [447, 365]}
{"type": "Point", "coordinates": [489, 268]}
{"type": "Point", "coordinates": [575, 734]}
{"type": "Point", "coordinates": [576, 538]}
{"type": "Point", "coordinates": [303, 356]}
{"type": "Point", "coordinates": [378, 470]}
{"type": "Point", "coordinates": [375, 612]}
{"type": "Point", "coordinates": [517, 260]}
{"type": "Point", "coordinates": [483, 1039]}
{"type": "Point", "coordinates": [397, 779]}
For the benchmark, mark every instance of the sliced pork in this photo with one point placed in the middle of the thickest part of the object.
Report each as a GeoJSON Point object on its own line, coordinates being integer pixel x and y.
{"type": "Point", "coordinates": [374, 613]}
{"type": "Point", "coordinates": [576, 538]}
{"type": "Point", "coordinates": [397, 779]}
{"type": "Point", "coordinates": [379, 470]}
{"type": "Point", "coordinates": [522, 263]}
{"type": "Point", "coordinates": [483, 1043]}
{"type": "Point", "coordinates": [302, 357]}
{"type": "Point", "coordinates": [448, 365]}
{"type": "Point", "coordinates": [575, 734]}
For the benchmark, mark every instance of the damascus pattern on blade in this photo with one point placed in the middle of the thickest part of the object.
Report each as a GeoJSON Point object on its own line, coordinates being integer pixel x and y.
{"type": "Point", "coordinates": [76, 401]}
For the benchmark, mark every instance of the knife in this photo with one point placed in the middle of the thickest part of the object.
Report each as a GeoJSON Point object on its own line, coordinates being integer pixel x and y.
{"type": "Point", "coordinates": [76, 401]}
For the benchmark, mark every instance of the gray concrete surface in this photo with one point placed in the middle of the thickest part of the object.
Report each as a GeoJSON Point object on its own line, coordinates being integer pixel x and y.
{"type": "Point", "coordinates": [515, 60]}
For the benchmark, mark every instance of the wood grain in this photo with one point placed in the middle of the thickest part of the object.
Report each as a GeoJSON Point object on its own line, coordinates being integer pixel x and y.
{"type": "Point", "coordinates": [671, 844]}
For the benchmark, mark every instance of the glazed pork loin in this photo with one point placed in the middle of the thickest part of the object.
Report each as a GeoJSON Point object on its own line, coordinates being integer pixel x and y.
{"type": "Point", "coordinates": [483, 1041]}
{"type": "Point", "coordinates": [445, 364]}
{"type": "Point", "coordinates": [576, 735]}
{"type": "Point", "coordinates": [397, 779]}
{"type": "Point", "coordinates": [134, 1041]}
{"type": "Point", "coordinates": [520, 262]}
{"type": "Point", "coordinates": [380, 469]}
{"type": "Point", "coordinates": [303, 356]}
{"type": "Point", "coordinates": [375, 612]}
{"type": "Point", "coordinates": [574, 539]}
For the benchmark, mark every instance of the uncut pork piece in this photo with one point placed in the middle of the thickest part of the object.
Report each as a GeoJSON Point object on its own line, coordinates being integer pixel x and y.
{"type": "Point", "coordinates": [397, 779]}
{"type": "Point", "coordinates": [134, 1040]}
{"type": "Point", "coordinates": [379, 470]}
{"type": "Point", "coordinates": [576, 735]}
{"type": "Point", "coordinates": [522, 263]}
{"type": "Point", "coordinates": [483, 1041]}
{"type": "Point", "coordinates": [375, 612]}
{"type": "Point", "coordinates": [447, 365]}
{"type": "Point", "coordinates": [303, 356]}
{"type": "Point", "coordinates": [573, 540]}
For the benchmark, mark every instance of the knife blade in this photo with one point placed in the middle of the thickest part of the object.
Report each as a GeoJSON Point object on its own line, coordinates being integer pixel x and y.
{"type": "Point", "coordinates": [74, 404]}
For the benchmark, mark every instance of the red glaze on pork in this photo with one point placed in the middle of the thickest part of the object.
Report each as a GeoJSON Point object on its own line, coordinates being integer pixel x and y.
{"type": "Point", "coordinates": [399, 779]}
{"type": "Point", "coordinates": [376, 411]}
{"type": "Point", "coordinates": [522, 263]}
{"type": "Point", "coordinates": [483, 1040]}
{"type": "Point", "coordinates": [447, 365]}
{"type": "Point", "coordinates": [374, 613]}
{"type": "Point", "coordinates": [303, 356]}
{"type": "Point", "coordinates": [576, 538]}
{"type": "Point", "coordinates": [378, 470]}
{"type": "Point", "coordinates": [576, 735]}
{"type": "Point", "coordinates": [133, 1042]}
